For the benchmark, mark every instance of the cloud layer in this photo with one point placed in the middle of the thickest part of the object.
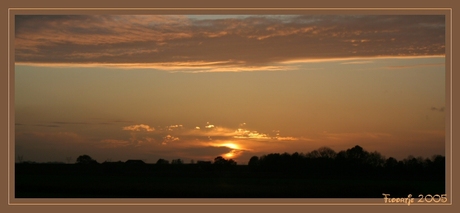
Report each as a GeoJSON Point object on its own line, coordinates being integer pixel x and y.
{"type": "Point", "coordinates": [225, 44]}
{"type": "Point", "coordinates": [177, 141]}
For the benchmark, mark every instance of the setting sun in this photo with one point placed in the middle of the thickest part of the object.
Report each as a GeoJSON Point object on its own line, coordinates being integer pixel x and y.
{"type": "Point", "coordinates": [235, 152]}
{"type": "Point", "coordinates": [231, 145]}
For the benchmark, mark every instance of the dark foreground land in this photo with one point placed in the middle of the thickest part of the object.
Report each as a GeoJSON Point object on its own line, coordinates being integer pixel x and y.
{"type": "Point", "coordinates": [217, 181]}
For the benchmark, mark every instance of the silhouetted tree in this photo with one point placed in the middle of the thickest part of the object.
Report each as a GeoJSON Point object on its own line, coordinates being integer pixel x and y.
{"type": "Point", "coordinates": [353, 161]}
{"type": "Point", "coordinates": [254, 161]}
{"type": "Point", "coordinates": [162, 161]}
{"type": "Point", "coordinates": [320, 161]}
{"type": "Point", "coordinates": [314, 154]}
{"type": "Point", "coordinates": [231, 162]}
{"type": "Point", "coordinates": [391, 163]}
{"type": "Point", "coordinates": [297, 159]}
{"type": "Point", "coordinates": [326, 152]}
{"type": "Point", "coordinates": [413, 165]}
{"type": "Point", "coordinates": [357, 153]}
{"type": "Point", "coordinates": [176, 161]}
{"type": "Point", "coordinates": [438, 166]}
{"type": "Point", "coordinates": [439, 161]}
{"type": "Point", "coordinates": [341, 155]}
{"type": "Point", "coordinates": [86, 159]}
{"type": "Point", "coordinates": [375, 159]}
{"type": "Point", "coordinates": [222, 161]}
{"type": "Point", "coordinates": [271, 162]}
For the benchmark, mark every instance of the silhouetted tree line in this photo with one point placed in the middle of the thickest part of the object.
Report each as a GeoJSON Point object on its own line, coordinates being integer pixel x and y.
{"type": "Point", "coordinates": [222, 161]}
{"type": "Point", "coordinates": [139, 166]}
{"type": "Point", "coordinates": [354, 172]}
{"type": "Point", "coordinates": [352, 162]}
{"type": "Point", "coordinates": [323, 162]}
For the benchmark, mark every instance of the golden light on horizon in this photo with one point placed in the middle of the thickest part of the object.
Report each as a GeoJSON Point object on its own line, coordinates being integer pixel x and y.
{"type": "Point", "coordinates": [231, 145]}
{"type": "Point", "coordinates": [235, 152]}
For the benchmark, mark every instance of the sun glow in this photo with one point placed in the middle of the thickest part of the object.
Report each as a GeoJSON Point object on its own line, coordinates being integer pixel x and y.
{"type": "Point", "coordinates": [235, 152]}
{"type": "Point", "coordinates": [229, 155]}
{"type": "Point", "coordinates": [230, 145]}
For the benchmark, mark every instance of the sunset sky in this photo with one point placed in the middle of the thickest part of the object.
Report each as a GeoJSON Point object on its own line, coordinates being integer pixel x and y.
{"type": "Point", "coordinates": [194, 87]}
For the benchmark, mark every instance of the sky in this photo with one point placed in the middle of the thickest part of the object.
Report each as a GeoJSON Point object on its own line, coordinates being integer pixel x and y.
{"type": "Point", "coordinates": [194, 87]}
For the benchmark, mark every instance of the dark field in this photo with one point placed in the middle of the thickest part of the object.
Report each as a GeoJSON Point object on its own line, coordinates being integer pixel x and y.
{"type": "Point", "coordinates": [213, 181]}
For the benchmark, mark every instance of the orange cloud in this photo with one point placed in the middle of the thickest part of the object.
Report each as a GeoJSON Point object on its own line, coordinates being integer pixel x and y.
{"type": "Point", "coordinates": [169, 138]}
{"type": "Point", "coordinates": [139, 127]}
{"type": "Point", "coordinates": [209, 126]}
{"type": "Point", "coordinates": [244, 133]}
{"type": "Point", "coordinates": [239, 133]}
{"type": "Point", "coordinates": [173, 127]}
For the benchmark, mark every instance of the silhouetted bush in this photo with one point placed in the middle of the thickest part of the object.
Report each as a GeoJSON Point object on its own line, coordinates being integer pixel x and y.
{"type": "Point", "coordinates": [162, 161]}
{"type": "Point", "coordinates": [86, 159]}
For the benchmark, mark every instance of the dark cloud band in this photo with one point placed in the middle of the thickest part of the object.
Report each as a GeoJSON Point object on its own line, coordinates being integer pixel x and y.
{"type": "Point", "coordinates": [251, 41]}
